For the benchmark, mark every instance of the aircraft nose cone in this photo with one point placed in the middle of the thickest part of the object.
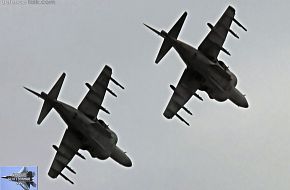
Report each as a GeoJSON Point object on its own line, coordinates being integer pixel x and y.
{"type": "Point", "coordinates": [246, 105]}
{"type": "Point", "coordinates": [4, 177]}
{"type": "Point", "coordinates": [128, 163]}
{"type": "Point", "coordinates": [239, 99]}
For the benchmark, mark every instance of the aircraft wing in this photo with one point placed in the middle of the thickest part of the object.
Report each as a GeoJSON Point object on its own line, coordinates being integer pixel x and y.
{"type": "Point", "coordinates": [187, 86]}
{"type": "Point", "coordinates": [92, 102]}
{"type": "Point", "coordinates": [25, 185]}
{"type": "Point", "coordinates": [23, 170]}
{"type": "Point", "coordinates": [213, 42]}
{"type": "Point", "coordinates": [69, 146]}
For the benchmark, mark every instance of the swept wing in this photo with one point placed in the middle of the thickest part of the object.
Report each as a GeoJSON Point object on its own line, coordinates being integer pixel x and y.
{"type": "Point", "coordinates": [213, 42]}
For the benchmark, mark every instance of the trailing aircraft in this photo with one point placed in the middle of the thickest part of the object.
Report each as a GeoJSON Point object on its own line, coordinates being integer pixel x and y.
{"type": "Point", "coordinates": [85, 131]}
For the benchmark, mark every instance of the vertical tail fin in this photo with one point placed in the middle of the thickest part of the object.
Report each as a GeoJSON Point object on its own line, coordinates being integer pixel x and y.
{"type": "Point", "coordinates": [172, 34]}
{"type": "Point", "coordinates": [52, 95]}
{"type": "Point", "coordinates": [33, 184]}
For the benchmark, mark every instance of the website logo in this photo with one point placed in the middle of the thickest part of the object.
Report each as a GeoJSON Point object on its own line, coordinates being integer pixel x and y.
{"type": "Point", "coordinates": [18, 178]}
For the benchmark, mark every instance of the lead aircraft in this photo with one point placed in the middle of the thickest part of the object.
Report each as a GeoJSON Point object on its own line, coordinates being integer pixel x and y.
{"type": "Point", "coordinates": [85, 131]}
{"type": "Point", "coordinates": [203, 69]}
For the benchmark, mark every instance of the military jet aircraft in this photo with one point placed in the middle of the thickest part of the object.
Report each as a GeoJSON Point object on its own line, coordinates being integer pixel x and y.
{"type": "Point", "coordinates": [24, 178]}
{"type": "Point", "coordinates": [85, 131]}
{"type": "Point", "coordinates": [203, 69]}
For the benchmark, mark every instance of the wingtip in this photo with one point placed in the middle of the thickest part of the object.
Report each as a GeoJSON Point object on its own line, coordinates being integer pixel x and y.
{"type": "Point", "coordinates": [183, 16]}
{"type": "Point", "coordinates": [38, 122]}
{"type": "Point", "coordinates": [146, 25]}
{"type": "Point", "coordinates": [26, 88]}
{"type": "Point", "coordinates": [108, 67]}
{"type": "Point", "coordinates": [231, 7]}
{"type": "Point", "coordinates": [63, 75]}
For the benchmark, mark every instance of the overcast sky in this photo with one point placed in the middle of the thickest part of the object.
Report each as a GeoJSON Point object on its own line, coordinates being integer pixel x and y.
{"type": "Point", "coordinates": [225, 147]}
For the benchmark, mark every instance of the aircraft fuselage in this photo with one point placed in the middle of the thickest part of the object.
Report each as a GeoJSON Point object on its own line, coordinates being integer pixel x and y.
{"type": "Point", "coordinates": [95, 135]}
{"type": "Point", "coordinates": [18, 178]}
{"type": "Point", "coordinates": [215, 78]}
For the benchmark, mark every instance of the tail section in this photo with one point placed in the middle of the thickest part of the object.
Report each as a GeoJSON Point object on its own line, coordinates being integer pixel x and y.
{"type": "Point", "coordinates": [52, 95]}
{"type": "Point", "coordinates": [31, 174]}
{"type": "Point", "coordinates": [175, 30]}
{"type": "Point", "coordinates": [33, 184]}
{"type": "Point", "coordinates": [48, 98]}
{"type": "Point", "coordinates": [172, 34]}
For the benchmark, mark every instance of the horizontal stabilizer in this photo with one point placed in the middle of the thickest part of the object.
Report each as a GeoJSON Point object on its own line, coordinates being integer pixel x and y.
{"type": "Point", "coordinates": [46, 105]}
{"type": "Point", "coordinates": [175, 30]}
{"type": "Point", "coordinates": [165, 47]}
{"type": "Point", "coordinates": [54, 92]}
{"type": "Point", "coordinates": [44, 111]}
{"type": "Point", "coordinates": [172, 34]}
{"type": "Point", "coordinates": [48, 98]}
{"type": "Point", "coordinates": [52, 95]}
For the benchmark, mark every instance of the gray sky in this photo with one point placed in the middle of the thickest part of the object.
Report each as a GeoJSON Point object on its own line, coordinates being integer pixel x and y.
{"type": "Point", "coordinates": [225, 148]}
